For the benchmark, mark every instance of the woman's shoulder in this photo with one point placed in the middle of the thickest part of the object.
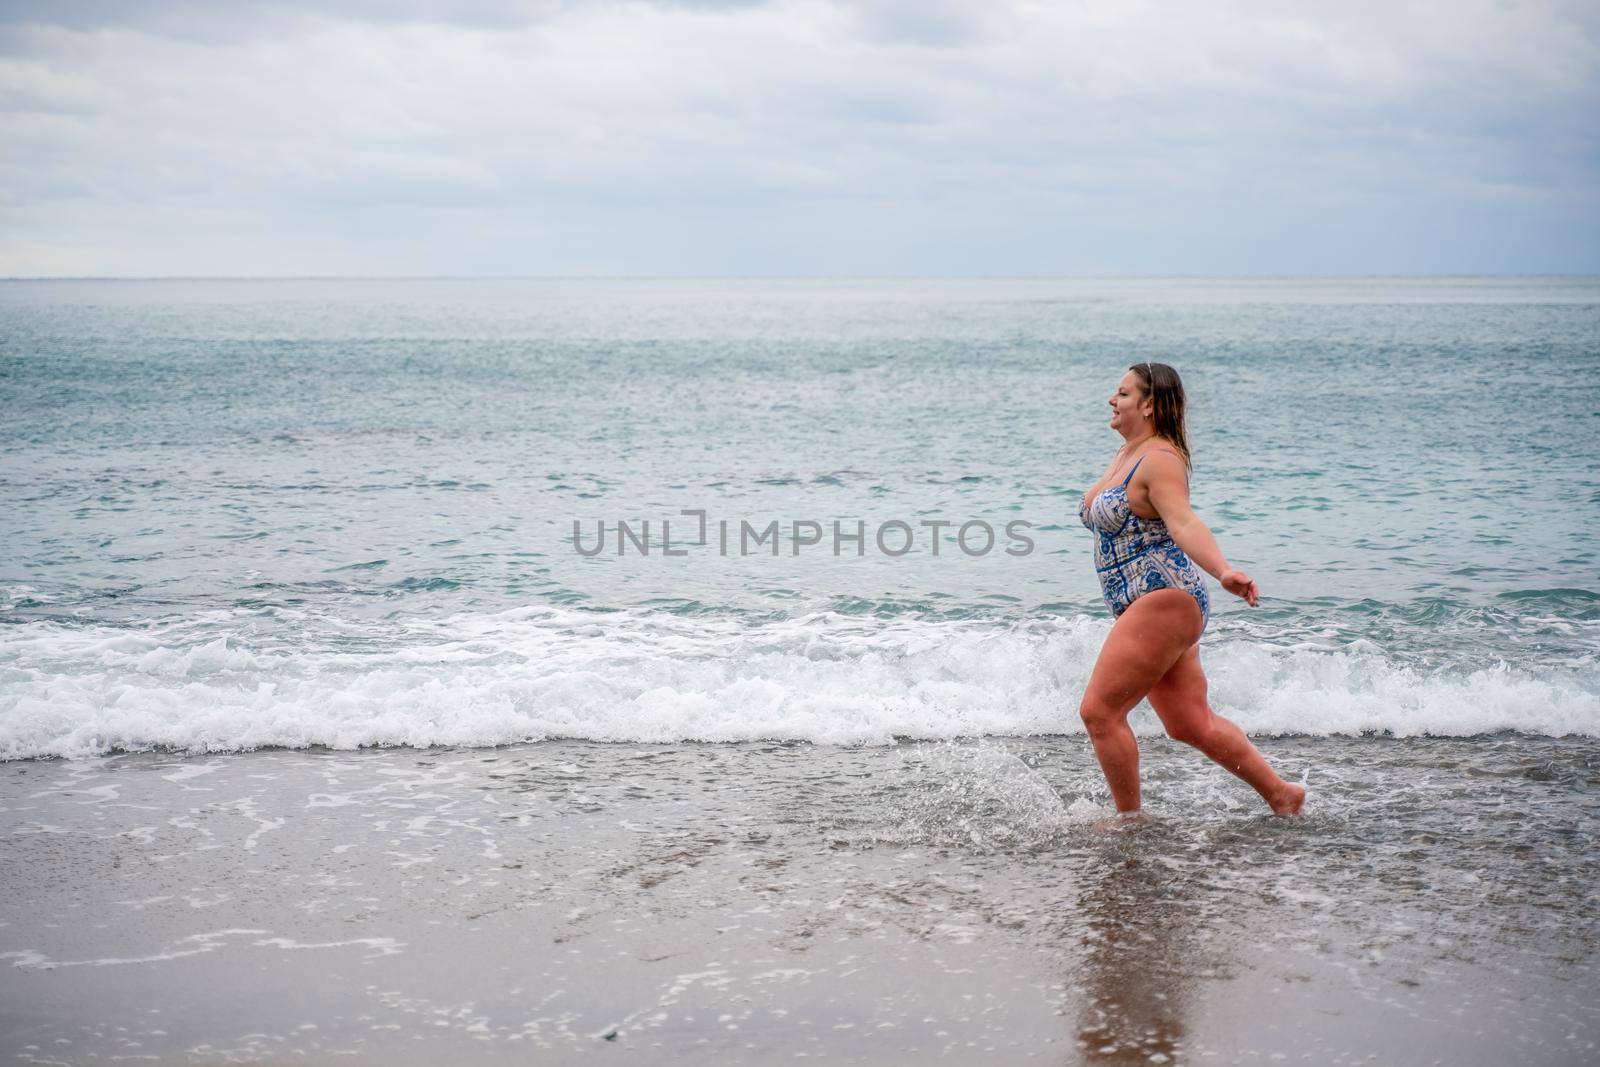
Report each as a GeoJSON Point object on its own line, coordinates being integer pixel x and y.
{"type": "Point", "coordinates": [1163, 461]}
{"type": "Point", "coordinates": [1167, 457]}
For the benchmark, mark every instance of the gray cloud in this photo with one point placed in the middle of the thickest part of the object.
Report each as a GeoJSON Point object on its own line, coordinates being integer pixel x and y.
{"type": "Point", "coordinates": [207, 19]}
{"type": "Point", "coordinates": [797, 136]}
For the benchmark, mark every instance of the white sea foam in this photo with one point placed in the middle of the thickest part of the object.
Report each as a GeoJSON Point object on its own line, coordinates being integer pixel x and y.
{"type": "Point", "coordinates": [213, 686]}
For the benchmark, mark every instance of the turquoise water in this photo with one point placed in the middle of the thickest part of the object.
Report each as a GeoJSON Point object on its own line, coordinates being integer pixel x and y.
{"type": "Point", "coordinates": [244, 513]}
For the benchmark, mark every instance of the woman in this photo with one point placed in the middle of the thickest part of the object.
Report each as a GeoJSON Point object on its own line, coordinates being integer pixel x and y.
{"type": "Point", "coordinates": [1145, 538]}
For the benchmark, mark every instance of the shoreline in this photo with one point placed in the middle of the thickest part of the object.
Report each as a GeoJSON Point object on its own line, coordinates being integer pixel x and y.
{"type": "Point", "coordinates": [734, 902]}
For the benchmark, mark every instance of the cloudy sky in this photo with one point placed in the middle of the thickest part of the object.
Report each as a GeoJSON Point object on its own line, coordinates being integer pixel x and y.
{"type": "Point", "coordinates": [799, 137]}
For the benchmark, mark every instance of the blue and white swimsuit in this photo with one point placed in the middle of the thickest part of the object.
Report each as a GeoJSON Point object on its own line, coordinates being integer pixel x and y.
{"type": "Point", "coordinates": [1135, 556]}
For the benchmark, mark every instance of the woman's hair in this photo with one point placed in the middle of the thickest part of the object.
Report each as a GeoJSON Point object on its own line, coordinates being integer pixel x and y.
{"type": "Point", "coordinates": [1165, 390]}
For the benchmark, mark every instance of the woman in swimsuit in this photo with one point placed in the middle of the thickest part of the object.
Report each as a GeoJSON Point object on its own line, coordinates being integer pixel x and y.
{"type": "Point", "coordinates": [1145, 539]}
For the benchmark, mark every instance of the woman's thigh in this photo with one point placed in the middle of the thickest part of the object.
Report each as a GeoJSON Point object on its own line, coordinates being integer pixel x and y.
{"type": "Point", "coordinates": [1143, 645]}
{"type": "Point", "coordinates": [1179, 697]}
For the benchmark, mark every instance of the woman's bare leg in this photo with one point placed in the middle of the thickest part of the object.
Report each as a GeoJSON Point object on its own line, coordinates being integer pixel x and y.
{"type": "Point", "coordinates": [1180, 700]}
{"type": "Point", "coordinates": [1143, 645]}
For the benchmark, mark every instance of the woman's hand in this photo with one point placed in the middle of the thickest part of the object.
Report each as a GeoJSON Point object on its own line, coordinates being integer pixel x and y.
{"type": "Point", "coordinates": [1242, 585]}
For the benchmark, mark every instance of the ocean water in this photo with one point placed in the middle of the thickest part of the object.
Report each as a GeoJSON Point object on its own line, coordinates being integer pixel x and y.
{"type": "Point", "coordinates": [321, 735]}
{"type": "Point", "coordinates": [243, 514]}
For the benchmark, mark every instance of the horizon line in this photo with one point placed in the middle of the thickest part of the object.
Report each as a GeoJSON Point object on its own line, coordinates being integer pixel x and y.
{"type": "Point", "coordinates": [765, 277]}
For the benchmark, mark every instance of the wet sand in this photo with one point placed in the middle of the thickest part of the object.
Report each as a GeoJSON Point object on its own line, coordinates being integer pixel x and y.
{"type": "Point", "coordinates": [958, 902]}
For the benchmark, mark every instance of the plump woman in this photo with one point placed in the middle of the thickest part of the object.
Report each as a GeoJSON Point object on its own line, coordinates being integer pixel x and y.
{"type": "Point", "coordinates": [1147, 542]}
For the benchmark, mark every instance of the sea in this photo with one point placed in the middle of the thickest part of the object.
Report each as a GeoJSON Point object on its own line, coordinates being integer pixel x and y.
{"type": "Point", "coordinates": [288, 513]}
{"type": "Point", "coordinates": [814, 543]}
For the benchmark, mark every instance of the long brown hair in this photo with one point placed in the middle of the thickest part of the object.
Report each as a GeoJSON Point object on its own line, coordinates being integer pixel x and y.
{"type": "Point", "coordinates": [1165, 390]}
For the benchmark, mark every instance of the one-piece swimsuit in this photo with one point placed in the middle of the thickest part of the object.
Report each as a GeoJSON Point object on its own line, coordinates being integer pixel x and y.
{"type": "Point", "coordinates": [1135, 556]}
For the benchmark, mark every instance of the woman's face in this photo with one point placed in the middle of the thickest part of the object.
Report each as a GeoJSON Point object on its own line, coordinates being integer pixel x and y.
{"type": "Point", "coordinates": [1130, 408]}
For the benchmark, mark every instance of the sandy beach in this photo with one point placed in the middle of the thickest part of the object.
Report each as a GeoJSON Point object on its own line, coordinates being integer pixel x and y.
{"type": "Point", "coordinates": [958, 902]}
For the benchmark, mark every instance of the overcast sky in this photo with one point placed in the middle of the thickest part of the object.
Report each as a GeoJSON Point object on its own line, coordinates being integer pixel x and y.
{"type": "Point", "coordinates": [799, 137]}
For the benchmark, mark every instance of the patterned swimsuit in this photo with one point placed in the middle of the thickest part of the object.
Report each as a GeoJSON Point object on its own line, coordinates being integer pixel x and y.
{"type": "Point", "coordinates": [1135, 556]}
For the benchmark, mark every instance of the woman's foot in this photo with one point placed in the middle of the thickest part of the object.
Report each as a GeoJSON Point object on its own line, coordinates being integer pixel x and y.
{"type": "Point", "coordinates": [1122, 822]}
{"type": "Point", "coordinates": [1290, 801]}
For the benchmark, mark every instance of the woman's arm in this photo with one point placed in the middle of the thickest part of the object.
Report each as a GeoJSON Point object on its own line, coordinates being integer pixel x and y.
{"type": "Point", "coordinates": [1168, 484]}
